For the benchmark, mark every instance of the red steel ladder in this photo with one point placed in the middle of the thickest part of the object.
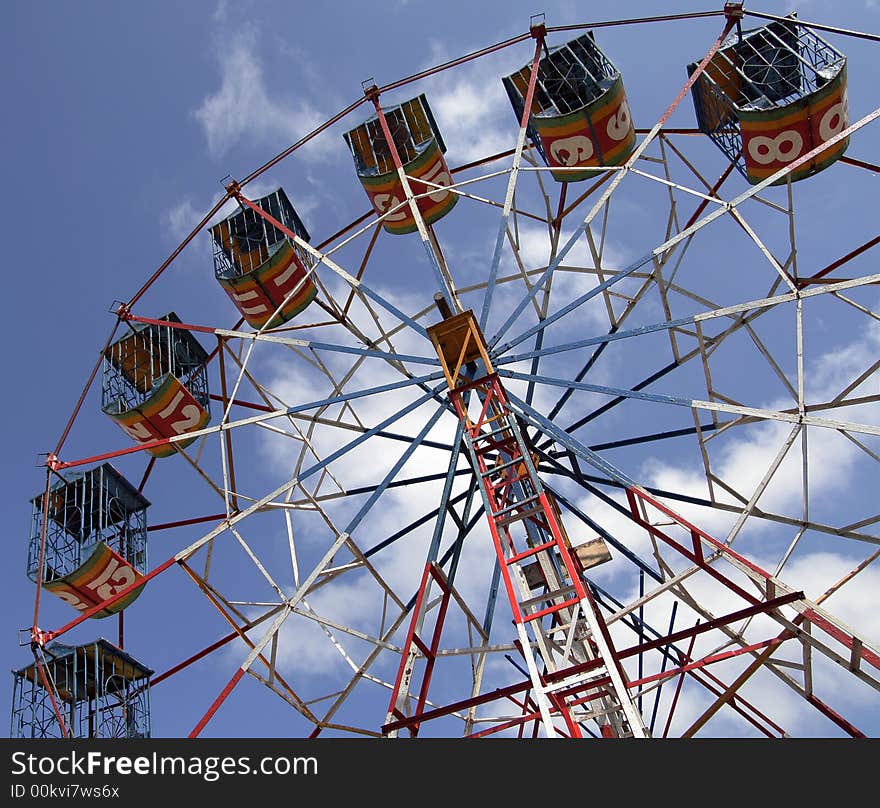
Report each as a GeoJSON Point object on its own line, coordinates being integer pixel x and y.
{"type": "Point", "coordinates": [571, 661]}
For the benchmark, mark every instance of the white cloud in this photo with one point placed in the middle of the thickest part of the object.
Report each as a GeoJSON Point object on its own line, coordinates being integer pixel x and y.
{"type": "Point", "coordinates": [471, 106]}
{"type": "Point", "coordinates": [179, 221]}
{"type": "Point", "coordinates": [467, 115]}
{"type": "Point", "coordinates": [244, 106]}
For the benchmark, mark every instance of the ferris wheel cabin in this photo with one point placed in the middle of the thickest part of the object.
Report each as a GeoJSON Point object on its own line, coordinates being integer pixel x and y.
{"type": "Point", "coordinates": [771, 95]}
{"type": "Point", "coordinates": [95, 524]}
{"type": "Point", "coordinates": [101, 692]}
{"type": "Point", "coordinates": [155, 384]}
{"type": "Point", "coordinates": [420, 148]}
{"type": "Point", "coordinates": [580, 119]}
{"type": "Point", "coordinates": [264, 272]}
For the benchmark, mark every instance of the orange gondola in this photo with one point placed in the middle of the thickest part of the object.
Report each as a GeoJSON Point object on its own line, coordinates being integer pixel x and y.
{"type": "Point", "coordinates": [420, 147]}
{"type": "Point", "coordinates": [264, 272]}
{"type": "Point", "coordinates": [580, 118]}
{"type": "Point", "coordinates": [155, 384]}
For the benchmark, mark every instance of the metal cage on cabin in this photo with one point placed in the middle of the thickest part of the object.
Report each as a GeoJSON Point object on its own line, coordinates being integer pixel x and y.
{"type": "Point", "coordinates": [88, 508]}
{"type": "Point", "coordinates": [245, 241]}
{"type": "Point", "coordinates": [412, 128]}
{"type": "Point", "coordinates": [139, 362]}
{"type": "Point", "coordinates": [570, 77]}
{"type": "Point", "coordinates": [770, 95]}
{"type": "Point", "coordinates": [100, 691]}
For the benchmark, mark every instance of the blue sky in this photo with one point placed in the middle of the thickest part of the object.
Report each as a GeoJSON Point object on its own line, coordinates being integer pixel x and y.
{"type": "Point", "coordinates": [125, 119]}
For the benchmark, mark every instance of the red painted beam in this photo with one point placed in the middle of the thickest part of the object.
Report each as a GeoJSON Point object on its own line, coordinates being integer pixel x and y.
{"type": "Point", "coordinates": [236, 678]}
{"type": "Point", "coordinates": [51, 635]}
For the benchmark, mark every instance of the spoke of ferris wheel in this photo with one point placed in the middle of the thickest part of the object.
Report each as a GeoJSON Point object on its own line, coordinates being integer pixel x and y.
{"type": "Point", "coordinates": [667, 369]}
{"type": "Point", "coordinates": [538, 285]}
{"type": "Point", "coordinates": [596, 388]}
{"type": "Point", "coordinates": [434, 547]}
{"type": "Point", "coordinates": [508, 359]}
{"type": "Point", "coordinates": [322, 258]}
{"type": "Point", "coordinates": [606, 194]}
{"type": "Point", "coordinates": [618, 477]}
{"type": "Point", "coordinates": [302, 590]}
{"type": "Point", "coordinates": [664, 287]}
{"type": "Point", "coordinates": [327, 346]}
{"type": "Point", "coordinates": [555, 231]}
{"type": "Point", "coordinates": [453, 552]}
{"type": "Point", "coordinates": [260, 503]}
{"type": "Point", "coordinates": [465, 525]}
{"type": "Point", "coordinates": [590, 482]}
{"type": "Point", "coordinates": [417, 522]}
{"type": "Point", "coordinates": [385, 336]}
{"type": "Point", "coordinates": [394, 470]}
{"type": "Point", "coordinates": [752, 412]}
{"type": "Point", "coordinates": [608, 537]}
{"type": "Point", "coordinates": [335, 399]}
{"type": "Point", "coordinates": [369, 433]}
{"type": "Point", "coordinates": [659, 250]}
{"type": "Point", "coordinates": [569, 441]}
{"type": "Point", "coordinates": [650, 379]}
{"type": "Point", "coordinates": [366, 489]}
{"type": "Point", "coordinates": [511, 183]}
{"type": "Point", "coordinates": [701, 317]}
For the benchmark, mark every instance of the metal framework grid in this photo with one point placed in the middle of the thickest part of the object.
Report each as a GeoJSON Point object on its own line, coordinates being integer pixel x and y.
{"type": "Point", "coordinates": [731, 642]}
{"type": "Point", "coordinates": [104, 692]}
{"type": "Point", "coordinates": [97, 505]}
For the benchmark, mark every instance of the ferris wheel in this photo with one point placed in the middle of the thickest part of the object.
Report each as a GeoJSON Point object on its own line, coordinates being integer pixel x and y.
{"type": "Point", "coordinates": [581, 438]}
